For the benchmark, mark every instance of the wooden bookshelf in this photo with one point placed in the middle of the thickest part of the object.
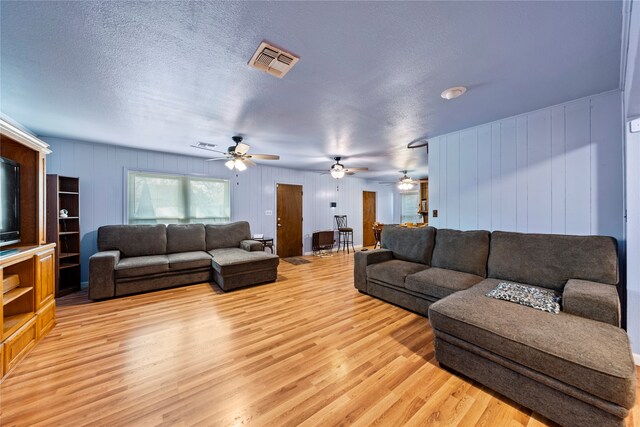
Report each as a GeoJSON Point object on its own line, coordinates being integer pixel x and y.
{"type": "Point", "coordinates": [424, 200]}
{"type": "Point", "coordinates": [27, 312]}
{"type": "Point", "coordinates": [63, 192]}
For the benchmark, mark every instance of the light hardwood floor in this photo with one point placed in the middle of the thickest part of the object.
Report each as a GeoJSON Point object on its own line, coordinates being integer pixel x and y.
{"type": "Point", "coordinates": [306, 350]}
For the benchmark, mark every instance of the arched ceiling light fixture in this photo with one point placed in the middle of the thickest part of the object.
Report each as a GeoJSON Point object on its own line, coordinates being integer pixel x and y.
{"type": "Point", "coordinates": [418, 143]}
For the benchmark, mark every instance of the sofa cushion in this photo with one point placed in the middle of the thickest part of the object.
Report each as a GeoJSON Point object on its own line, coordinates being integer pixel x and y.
{"type": "Point", "coordinates": [189, 260]}
{"type": "Point", "coordinates": [235, 260]}
{"type": "Point", "coordinates": [185, 238]}
{"type": "Point", "coordinates": [439, 282]}
{"type": "Point", "coordinates": [592, 300]}
{"type": "Point", "coordinates": [409, 244]}
{"type": "Point", "coordinates": [465, 251]}
{"type": "Point", "coordinates": [133, 240]}
{"type": "Point", "coordinates": [227, 235]}
{"type": "Point", "coordinates": [394, 271]}
{"type": "Point", "coordinates": [590, 355]}
{"type": "Point", "coordinates": [549, 260]}
{"type": "Point", "coordinates": [142, 266]}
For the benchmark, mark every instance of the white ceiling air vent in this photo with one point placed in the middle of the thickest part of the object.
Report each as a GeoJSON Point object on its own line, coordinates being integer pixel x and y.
{"type": "Point", "coordinates": [272, 60]}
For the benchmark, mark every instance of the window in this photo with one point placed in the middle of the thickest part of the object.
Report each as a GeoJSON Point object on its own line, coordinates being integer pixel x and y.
{"type": "Point", "coordinates": [156, 198]}
{"type": "Point", "coordinates": [409, 207]}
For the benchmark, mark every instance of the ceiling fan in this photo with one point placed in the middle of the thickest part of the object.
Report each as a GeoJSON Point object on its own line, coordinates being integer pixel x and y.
{"type": "Point", "coordinates": [404, 183]}
{"type": "Point", "coordinates": [338, 170]}
{"type": "Point", "coordinates": [237, 156]}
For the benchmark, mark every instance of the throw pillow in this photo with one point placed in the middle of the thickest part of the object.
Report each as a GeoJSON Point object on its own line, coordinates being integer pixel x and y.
{"type": "Point", "coordinates": [540, 299]}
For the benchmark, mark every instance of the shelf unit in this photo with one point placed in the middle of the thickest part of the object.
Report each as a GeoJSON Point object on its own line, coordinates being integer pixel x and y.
{"type": "Point", "coordinates": [63, 192]}
{"type": "Point", "coordinates": [424, 200]}
{"type": "Point", "coordinates": [18, 305]}
{"type": "Point", "coordinates": [28, 311]}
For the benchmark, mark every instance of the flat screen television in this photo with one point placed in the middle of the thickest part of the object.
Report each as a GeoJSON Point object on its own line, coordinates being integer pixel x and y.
{"type": "Point", "coordinates": [9, 202]}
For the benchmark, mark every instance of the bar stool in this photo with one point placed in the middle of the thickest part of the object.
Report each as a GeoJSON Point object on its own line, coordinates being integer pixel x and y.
{"type": "Point", "coordinates": [377, 233]}
{"type": "Point", "coordinates": [345, 233]}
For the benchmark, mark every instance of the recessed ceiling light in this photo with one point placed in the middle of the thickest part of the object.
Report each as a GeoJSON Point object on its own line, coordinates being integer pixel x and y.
{"type": "Point", "coordinates": [453, 92]}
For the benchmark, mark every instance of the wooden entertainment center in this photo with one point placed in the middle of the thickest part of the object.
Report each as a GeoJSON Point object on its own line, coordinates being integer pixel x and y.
{"type": "Point", "coordinates": [28, 307]}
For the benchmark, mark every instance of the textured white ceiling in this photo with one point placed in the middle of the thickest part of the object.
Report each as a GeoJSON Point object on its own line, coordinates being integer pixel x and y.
{"type": "Point", "coordinates": [162, 75]}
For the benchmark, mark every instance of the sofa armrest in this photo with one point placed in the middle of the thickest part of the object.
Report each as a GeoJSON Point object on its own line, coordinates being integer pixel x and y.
{"type": "Point", "coordinates": [102, 283]}
{"type": "Point", "coordinates": [596, 301]}
{"type": "Point", "coordinates": [362, 260]}
{"type": "Point", "coordinates": [252, 245]}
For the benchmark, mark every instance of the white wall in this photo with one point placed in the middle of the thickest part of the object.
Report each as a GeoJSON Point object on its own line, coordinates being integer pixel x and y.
{"type": "Point", "coordinates": [101, 169]}
{"type": "Point", "coordinates": [632, 110]}
{"type": "Point", "coordinates": [633, 240]}
{"type": "Point", "coordinates": [555, 170]}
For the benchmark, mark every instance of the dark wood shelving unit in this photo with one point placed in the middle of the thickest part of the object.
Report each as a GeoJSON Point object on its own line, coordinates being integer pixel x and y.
{"type": "Point", "coordinates": [63, 192]}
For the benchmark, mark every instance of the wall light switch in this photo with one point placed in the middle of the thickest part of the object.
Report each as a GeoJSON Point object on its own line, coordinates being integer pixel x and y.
{"type": "Point", "coordinates": [435, 213]}
{"type": "Point", "coordinates": [269, 213]}
{"type": "Point", "coordinates": [634, 126]}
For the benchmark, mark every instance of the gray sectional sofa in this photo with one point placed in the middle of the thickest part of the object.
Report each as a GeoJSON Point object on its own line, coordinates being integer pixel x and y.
{"type": "Point", "coordinates": [413, 268]}
{"type": "Point", "coordinates": [575, 367]}
{"type": "Point", "coordinates": [138, 258]}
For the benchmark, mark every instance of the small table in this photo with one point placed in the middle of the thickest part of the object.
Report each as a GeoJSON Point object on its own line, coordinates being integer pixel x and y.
{"type": "Point", "coordinates": [267, 242]}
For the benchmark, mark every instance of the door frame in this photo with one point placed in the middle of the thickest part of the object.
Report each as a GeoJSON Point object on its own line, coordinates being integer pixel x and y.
{"type": "Point", "coordinates": [375, 213]}
{"type": "Point", "coordinates": [275, 211]}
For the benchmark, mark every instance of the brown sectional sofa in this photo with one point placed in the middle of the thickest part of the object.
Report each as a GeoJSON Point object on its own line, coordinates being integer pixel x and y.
{"type": "Point", "coordinates": [575, 367]}
{"type": "Point", "coordinates": [138, 258]}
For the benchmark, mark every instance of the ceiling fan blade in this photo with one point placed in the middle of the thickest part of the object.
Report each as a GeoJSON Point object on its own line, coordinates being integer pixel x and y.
{"type": "Point", "coordinates": [207, 148]}
{"type": "Point", "coordinates": [348, 172]}
{"type": "Point", "coordinates": [357, 169]}
{"type": "Point", "coordinates": [242, 148]}
{"type": "Point", "coordinates": [264, 156]}
{"type": "Point", "coordinates": [215, 159]}
{"type": "Point", "coordinates": [249, 162]}
{"type": "Point", "coordinates": [387, 182]}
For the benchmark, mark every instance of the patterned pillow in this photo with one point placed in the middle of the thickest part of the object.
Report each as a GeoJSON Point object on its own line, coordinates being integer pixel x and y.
{"type": "Point", "coordinates": [540, 299]}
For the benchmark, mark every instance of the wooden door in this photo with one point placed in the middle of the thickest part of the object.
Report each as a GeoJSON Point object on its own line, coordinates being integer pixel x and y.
{"type": "Point", "coordinates": [368, 217]}
{"type": "Point", "coordinates": [289, 220]}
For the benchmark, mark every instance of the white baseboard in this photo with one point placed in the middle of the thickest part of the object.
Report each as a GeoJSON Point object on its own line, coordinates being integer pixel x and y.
{"type": "Point", "coordinates": [636, 359]}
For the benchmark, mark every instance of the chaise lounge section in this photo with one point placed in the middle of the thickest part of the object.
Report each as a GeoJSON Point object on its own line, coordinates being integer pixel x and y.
{"type": "Point", "coordinates": [139, 258]}
{"type": "Point", "coordinates": [575, 367]}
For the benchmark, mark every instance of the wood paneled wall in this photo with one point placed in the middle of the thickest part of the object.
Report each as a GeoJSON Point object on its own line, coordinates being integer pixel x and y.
{"type": "Point", "coordinates": [555, 170]}
{"type": "Point", "coordinates": [101, 167]}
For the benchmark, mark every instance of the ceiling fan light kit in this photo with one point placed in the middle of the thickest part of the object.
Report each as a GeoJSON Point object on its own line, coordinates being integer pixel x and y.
{"type": "Point", "coordinates": [337, 174]}
{"type": "Point", "coordinates": [404, 186]}
{"type": "Point", "coordinates": [404, 183]}
{"type": "Point", "coordinates": [236, 156]}
{"type": "Point", "coordinates": [338, 170]}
